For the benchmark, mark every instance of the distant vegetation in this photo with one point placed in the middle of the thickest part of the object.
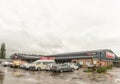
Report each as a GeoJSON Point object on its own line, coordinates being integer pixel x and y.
{"type": "Point", "coordinates": [3, 51]}
{"type": "Point", "coordinates": [102, 69]}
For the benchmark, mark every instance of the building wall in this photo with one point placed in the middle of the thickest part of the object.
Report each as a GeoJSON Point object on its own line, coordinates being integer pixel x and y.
{"type": "Point", "coordinates": [84, 62]}
{"type": "Point", "coordinates": [106, 63]}
{"type": "Point", "coordinates": [97, 62]}
{"type": "Point", "coordinates": [103, 62]}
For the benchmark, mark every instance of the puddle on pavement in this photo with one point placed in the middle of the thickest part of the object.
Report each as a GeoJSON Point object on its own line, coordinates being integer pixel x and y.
{"type": "Point", "coordinates": [19, 76]}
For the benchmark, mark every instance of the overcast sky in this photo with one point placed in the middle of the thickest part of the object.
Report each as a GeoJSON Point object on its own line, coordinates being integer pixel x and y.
{"type": "Point", "coordinates": [55, 26]}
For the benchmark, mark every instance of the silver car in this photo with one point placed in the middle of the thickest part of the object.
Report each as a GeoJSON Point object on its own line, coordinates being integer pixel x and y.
{"type": "Point", "coordinates": [62, 68]}
{"type": "Point", "coordinates": [74, 65]}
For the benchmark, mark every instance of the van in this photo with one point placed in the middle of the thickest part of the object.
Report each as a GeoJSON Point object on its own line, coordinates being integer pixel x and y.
{"type": "Point", "coordinates": [40, 65]}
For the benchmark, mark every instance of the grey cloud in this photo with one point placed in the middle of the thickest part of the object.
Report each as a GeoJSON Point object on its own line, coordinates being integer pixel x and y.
{"type": "Point", "coordinates": [48, 27]}
{"type": "Point", "coordinates": [50, 41]}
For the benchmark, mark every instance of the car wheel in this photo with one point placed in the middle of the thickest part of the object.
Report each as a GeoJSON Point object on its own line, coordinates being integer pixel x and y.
{"type": "Point", "coordinates": [78, 68]}
{"type": "Point", "coordinates": [31, 68]}
{"type": "Point", "coordinates": [39, 69]}
{"type": "Point", "coordinates": [4, 65]}
{"type": "Point", "coordinates": [73, 70]}
{"type": "Point", "coordinates": [61, 71]}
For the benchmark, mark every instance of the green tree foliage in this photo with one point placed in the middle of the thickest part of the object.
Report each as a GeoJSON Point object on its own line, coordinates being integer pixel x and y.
{"type": "Point", "coordinates": [3, 51]}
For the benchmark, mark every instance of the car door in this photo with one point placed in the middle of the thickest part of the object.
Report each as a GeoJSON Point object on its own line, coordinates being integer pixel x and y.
{"type": "Point", "coordinates": [38, 64]}
{"type": "Point", "coordinates": [67, 67]}
{"type": "Point", "coordinates": [44, 64]}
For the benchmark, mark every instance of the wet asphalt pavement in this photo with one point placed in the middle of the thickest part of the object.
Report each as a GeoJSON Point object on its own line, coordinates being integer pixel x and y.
{"type": "Point", "coordinates": [19, 76]}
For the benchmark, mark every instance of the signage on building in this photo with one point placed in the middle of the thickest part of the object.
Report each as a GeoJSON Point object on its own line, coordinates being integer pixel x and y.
{"type": "Point", "coordinates": [110, 55]}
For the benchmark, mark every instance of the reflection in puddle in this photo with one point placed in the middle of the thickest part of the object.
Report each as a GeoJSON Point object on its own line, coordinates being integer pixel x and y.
{"type": "Point", "coordinates": [55, 74]}
{"type": "Point", "coordinates": [1, 77]}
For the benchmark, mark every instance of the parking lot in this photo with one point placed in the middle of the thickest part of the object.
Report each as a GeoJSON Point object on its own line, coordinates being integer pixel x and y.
{"type": "Point", "coordinates": [19, 76]}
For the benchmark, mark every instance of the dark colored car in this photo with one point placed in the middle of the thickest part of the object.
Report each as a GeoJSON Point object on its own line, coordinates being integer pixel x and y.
{"type": "Point", "coordinates": [62, 68]}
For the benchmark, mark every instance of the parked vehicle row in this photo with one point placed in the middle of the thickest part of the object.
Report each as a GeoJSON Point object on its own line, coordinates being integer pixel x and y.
{"type": "Point", "coordinates": [38, 65]}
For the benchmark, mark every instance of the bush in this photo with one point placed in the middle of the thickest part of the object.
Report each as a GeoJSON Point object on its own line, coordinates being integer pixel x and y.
{"type": "Point", "coordinates": [109, 67]}
{"type": "Point", "coordinates": [102, 69]}
{"type": "Point", "coordinates": [89, 70]}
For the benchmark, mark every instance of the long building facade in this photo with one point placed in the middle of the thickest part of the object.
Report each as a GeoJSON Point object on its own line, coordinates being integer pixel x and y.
{"type": "Point", "coordinates": [104, 57]}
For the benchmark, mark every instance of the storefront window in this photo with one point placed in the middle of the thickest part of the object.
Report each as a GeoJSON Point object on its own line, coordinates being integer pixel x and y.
{"type": "Point", "coordinates": [87, 63]}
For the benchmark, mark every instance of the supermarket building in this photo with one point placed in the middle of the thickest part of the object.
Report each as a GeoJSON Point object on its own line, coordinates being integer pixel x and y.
{"type": "Point", "coordinates": [103, 57]}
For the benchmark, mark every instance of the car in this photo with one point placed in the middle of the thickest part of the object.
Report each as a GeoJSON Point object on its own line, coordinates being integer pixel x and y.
{"type": "Point", "coordinates": [39, 65]}
{"type": "Point", "coordinates": [76, 66]}
{"type": "Point", "coordinates": [49, 66]}
{"type": "Point", "coordinates": [79, 65]}
{"type": "Point", "coordinates": [62, 68]}
{"type": "Point", "coordinates": [7, 63]}
{"type": "Point", "coordinates": [23, 66]}
{"type": "Point", "coordinates": [17, 63]}
{"type": "Point", "coordinates": [73, 65]}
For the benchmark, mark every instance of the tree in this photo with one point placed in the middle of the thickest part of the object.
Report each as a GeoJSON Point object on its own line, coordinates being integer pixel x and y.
{"type": "Point", "coordinates": [3, 51]}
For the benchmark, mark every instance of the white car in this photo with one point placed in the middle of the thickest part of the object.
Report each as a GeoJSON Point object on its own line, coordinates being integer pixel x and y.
{"type": "Point", "coordinates": [7, 63]}
{"type": "Point", "coordinates": [74, 65]}
{"type": "Point", "coordinates": [24, 66]}
{"type": "Point", "coordinates": [39, 65]}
